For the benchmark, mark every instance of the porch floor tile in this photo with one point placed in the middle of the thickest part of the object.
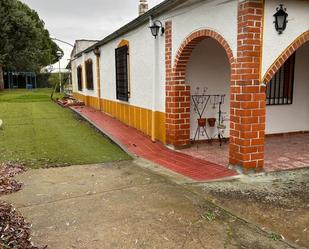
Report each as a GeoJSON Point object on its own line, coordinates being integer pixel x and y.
{"type": "Point", "coordinates": [287, 152]}
{"type": "Point", "coordinates": [141, 145]}
{"type": "Point", "coordinates": [282, 152]}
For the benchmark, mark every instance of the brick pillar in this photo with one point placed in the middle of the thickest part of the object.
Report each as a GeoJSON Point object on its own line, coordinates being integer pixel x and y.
{"type": "Point", "coordinates": [248, 105]}
{"type": "Point", "coordinates": [177, 98]}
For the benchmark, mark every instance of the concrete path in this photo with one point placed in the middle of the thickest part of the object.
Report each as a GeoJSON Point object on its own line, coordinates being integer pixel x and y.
{"type": "Point", "coordinates": [121, 205]}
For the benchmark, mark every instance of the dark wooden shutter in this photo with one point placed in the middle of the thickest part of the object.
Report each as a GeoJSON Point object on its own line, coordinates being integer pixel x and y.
{"type": "Point", "coordinates": [122, 88]}
{"type": "Point", "coordinates": [79, 78]}
{"type": "Point", "coordinates": [89, 73]}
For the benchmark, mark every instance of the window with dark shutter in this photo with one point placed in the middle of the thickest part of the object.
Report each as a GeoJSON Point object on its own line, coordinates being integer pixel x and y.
{"type": "Point", "coordinates": [89, 74]}
{"type": "Point", "coordinates": [280, 88]}
{"type": "Point", "coordinates": [80, 78]}
{"type": "Point", "coordinates": [122, 81]}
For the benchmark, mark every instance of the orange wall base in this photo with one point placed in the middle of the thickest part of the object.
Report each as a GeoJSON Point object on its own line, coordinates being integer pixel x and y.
{"type": "Point", "coordinates": [133, 116]}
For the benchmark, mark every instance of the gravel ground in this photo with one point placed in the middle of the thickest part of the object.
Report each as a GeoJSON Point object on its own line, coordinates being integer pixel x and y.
{"type": "Point", "coordinates": [275, 201]}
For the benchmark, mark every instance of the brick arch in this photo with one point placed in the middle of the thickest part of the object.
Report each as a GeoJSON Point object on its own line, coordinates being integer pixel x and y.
{"type": "Point", "coordinates": [300, 41]}
{"type": "Point", "coordinates": [177, 92]}
{"type": "Point", "coordinates": [186, 48]}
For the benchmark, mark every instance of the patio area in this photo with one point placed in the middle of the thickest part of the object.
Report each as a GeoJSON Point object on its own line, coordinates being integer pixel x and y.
{"type": "Point", "coordinates": [282, 152]}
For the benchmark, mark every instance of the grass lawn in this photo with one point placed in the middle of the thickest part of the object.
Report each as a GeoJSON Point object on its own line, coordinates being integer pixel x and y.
{"type": "Point", "coordinates": [41, 134]}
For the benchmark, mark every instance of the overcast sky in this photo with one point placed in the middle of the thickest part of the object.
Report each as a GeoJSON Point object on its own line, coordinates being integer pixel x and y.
{"type": "Point", "coordinates": [70, 20]}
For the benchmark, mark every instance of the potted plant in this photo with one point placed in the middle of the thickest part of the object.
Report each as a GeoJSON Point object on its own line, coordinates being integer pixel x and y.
{"type": "Point", "coordinates": [201, 122]}
{"type": "Point", "coordinates": [212, 122]}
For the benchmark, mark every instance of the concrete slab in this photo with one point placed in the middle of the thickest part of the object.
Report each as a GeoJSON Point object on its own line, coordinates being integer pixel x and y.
{"type": "Point", "coordinates": [121, 205]}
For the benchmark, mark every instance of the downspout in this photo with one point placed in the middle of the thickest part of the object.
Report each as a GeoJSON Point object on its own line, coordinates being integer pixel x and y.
{"type": "Point", "coordinates": [97, 54]}
{"type": "Point", "coordinates": [84, 84]}
{"type": "Point", "coordinates": [155, 80]}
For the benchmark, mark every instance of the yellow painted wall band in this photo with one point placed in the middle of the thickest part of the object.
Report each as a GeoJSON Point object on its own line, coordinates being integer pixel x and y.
{"type": "Point", "coordinates": [133, 116]}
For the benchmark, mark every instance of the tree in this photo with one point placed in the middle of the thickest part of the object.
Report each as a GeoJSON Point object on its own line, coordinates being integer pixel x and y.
{"type": "Point", "coordinates": [25, 44]}
{"type": "Point", "coordinates": [53, 79]}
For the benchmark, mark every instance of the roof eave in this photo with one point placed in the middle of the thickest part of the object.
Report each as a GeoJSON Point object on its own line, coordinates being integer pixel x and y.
{"type": "Point", "coordinates": [155, 11]}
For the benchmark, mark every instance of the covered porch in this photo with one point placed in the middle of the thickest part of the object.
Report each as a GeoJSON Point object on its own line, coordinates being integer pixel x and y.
{"type": "Point", "coordinates": [287, 103]}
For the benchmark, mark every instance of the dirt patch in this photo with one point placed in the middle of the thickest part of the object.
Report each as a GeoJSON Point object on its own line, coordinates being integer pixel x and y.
{"type": "Point", "coordinates": [215, 224]}
{"type": "Point", "coordinates": [14, 229]}
{"type": "Point", "coordinates": [276, 201]}
{"type": "Point", "coordinates": [7, 172]}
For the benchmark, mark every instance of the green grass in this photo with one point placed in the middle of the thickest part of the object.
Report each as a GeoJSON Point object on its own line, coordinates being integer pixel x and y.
{"type": "Point", "coordinates": [22, 95]}
{"type": "Point", "coordinates": [42, 134]}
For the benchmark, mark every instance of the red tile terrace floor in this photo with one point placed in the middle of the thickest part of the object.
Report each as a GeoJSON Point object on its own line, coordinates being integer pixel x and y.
{"type": "Point", "coordinates": [284, 152]}
{"type": "Point", "coordinates": [142, 146]}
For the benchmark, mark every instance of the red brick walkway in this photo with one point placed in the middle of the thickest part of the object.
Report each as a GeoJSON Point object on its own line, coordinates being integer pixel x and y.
{"type": "Point", "coordinates": [140, 145]}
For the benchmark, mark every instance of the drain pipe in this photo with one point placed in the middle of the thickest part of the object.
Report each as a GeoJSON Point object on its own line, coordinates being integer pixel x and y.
{"type": "Point", "coordinates": [97, 53]}
{"type": "Point", "coordinates": [155, 80]}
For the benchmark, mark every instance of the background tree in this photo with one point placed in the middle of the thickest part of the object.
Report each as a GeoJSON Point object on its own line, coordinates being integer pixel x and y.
{"type": "Point", "coordinates": [53, 79]}
{"type": "Point", "coordinates": [25, 44]}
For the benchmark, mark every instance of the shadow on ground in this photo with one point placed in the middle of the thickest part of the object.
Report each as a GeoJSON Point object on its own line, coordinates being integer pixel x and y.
{"type": "Point", "coordinates": [120, 205]}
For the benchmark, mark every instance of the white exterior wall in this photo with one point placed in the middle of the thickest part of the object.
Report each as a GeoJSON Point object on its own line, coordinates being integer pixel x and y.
{"type": "Point", "coordinates": [295, 117]}
{"type": "Point", "coordinates": [298, 23]}
{"type": "Point", "coordinates": [209, 67]}
{"type": "Point", "coordinates": [81, 61]}
{"type": "Point", "coordinates": [143, 46]}
{"type": "Point", "coordinates": [141, 49]}
{"type": "Point", "coordinates": [94, 92]}
{"type": "Point", "coordinates": [74, 64]}
{"type": "Point", "coordinates": [74, 76]}
{"type": "Point", "coordinates": [81, 45]}
{"type": "Point", "coordinates": [218, 15]}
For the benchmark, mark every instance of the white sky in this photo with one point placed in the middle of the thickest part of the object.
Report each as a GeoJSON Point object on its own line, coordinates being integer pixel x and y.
{"type": "Point", "coordinates": [70, 20]}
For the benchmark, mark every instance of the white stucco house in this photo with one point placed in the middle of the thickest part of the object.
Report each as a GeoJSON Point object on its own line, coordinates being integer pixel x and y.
{"type": "Point", "coordinates": [229, 54]}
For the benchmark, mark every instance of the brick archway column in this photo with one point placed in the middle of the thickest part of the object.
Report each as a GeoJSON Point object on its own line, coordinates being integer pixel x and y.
{"type": "Point", "coordinates": [177, 92]}
{"type": "Point", "coordinates": [248, 99]}
{"type": "Point", "coordinates": [177, 98]}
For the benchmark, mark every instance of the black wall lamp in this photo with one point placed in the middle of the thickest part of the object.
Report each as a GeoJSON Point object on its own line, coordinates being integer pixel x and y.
{"type": "Point", "coordinates": [156, 27]}
{"type": "Point", "coordinates": [281, 19]}
{"type": "Point", "coordinates": [59, 54]}
{"type": "Point", "coordinates": [97, 51]}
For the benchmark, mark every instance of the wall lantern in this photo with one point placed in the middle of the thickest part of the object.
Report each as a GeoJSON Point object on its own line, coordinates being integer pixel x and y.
{"type": "Point", "coordinates": [59, 54]}
{"type": "Point", "coordinates": [156, 27]}
{"type": "Point", "coordinates": [97, 51]}
{"type": "Point", "coordinates": [281, 19]}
